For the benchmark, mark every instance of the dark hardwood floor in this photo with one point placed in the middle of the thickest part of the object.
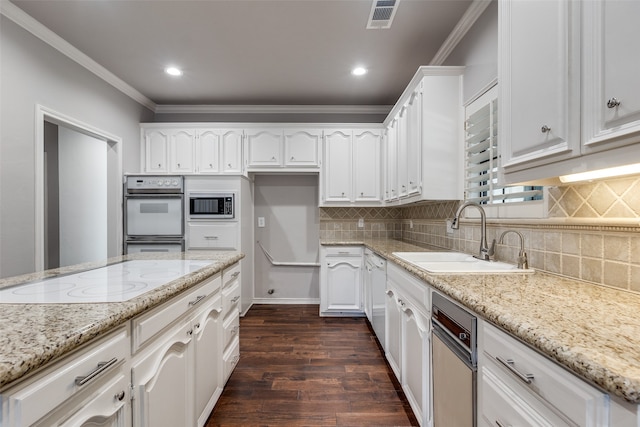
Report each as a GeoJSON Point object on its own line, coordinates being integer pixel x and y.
{"type": "Point", "coordinates": [297, 368]}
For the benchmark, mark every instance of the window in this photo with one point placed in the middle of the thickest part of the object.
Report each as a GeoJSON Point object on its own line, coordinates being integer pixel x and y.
{"type": "Point", "coordinates": [481, 156]}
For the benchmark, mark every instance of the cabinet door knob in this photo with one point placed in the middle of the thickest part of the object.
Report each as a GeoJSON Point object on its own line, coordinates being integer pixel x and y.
{"type": "Point", "coordinates": [119, 396]}
{"type": "Point", "coordinates": [613, 103]}
{"type": "Point", "coordinates": [545, 129]}
{"type": "Point", "coordinates": [229, 165]}
{"type": "Point", "coordinates": [292, 158]}
{"type": "Point", "coordinates": [159, 165]}
{"type": "Point", "coordinates": [178, 164]}
{"type": "Point", "coordinates": [273, 158]}
{"type": "Point", "coordinates": [210, 165]}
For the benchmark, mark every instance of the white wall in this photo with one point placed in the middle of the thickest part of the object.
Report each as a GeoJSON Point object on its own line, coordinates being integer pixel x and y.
{"type": "Point", "coordinates": [289, 205]}
{"type": "Point", "coordinates": [478, 51]}
{"type": "Point", "coordinates": [31, 73]}
{"type": "Point", "coordinates": [82, 174]}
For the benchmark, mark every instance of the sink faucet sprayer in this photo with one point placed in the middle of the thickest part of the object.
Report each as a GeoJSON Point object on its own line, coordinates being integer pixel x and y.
{"type": "Point", "coordinates": [523, 262]}
{"type": "Point", "coordinates": [486, 253]}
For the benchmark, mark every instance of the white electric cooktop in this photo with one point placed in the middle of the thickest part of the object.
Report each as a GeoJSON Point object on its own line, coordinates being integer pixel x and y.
{"type": "Point", "coordinates": [113, 283]}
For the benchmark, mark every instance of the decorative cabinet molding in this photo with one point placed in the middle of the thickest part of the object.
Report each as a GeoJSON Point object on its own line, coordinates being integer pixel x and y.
{"type": "Point", "coordinates": [302, 147]}
{"type": "Point", "coordinates": [264, 148]}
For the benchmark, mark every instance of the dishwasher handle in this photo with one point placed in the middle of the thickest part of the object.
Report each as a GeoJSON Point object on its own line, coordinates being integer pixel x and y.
{"type": "Point", "coordinates": [468, 358]}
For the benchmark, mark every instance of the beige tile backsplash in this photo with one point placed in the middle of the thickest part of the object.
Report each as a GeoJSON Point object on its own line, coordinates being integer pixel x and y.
{"type": "Point", "coordinates": [580, 239]}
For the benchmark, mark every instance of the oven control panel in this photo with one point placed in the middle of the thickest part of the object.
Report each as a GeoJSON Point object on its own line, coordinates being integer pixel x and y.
{"type": "Point", "coordinates": [150, 184]}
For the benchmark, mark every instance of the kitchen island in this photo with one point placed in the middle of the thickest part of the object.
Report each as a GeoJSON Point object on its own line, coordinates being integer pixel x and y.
{"type": "Point", "coordinates": [591, 330]}
{"type": "Point", "coordinates": [34, 335]}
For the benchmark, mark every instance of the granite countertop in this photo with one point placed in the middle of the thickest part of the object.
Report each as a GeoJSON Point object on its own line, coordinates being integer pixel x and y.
{"type": "Point", "coordinates": [35, 334]}
{"type": "Point", "coordinates": [591, 330]}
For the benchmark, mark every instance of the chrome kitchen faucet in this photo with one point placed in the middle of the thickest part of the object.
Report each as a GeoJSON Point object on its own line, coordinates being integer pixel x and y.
{"type": "Point", "coordinates": [485, 253]}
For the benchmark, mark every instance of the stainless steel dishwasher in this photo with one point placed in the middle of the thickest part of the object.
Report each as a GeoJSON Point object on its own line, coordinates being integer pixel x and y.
{"type": "Point", "coordinates": [454, 363]}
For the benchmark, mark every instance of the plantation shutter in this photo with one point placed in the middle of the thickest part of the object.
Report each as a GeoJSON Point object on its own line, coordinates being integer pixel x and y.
{"type": "Point", "coordinates": [481, 156]}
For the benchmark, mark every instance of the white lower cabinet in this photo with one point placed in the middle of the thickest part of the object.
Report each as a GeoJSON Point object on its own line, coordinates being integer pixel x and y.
{"type": "Point", "coordinates": [341, 280]}
{"type": "Point", "coordinates": [231, 294]}
{"type": "Point", "coordinates": [87, 388]}
{"type": "Point", "coordinates": [518, 386]}
{"type": "Point", "coordinates": [408, 338]}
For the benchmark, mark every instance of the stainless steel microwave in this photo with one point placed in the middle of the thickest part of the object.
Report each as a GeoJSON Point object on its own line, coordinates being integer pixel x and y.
{"type": "Point", "coordinates": [204, 205]}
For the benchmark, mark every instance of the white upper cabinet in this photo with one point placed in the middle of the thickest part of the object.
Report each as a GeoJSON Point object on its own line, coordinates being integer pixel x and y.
{"type": "Point", "coordinates": [302, 147]}
{"type": "Point", "coordinates": [156, 145]}
{"type": "Point", "coordinates": [569, 96]}
{"type": "Point", "coordinates": [539, 79]}
{"type": "Point", "coordinates": [264, 148]}
{"type": "Point", "coordinates": [208, 151]}
{"type": "Point", "coordinates": [352, 166]}
{"type": "Point", "coordinates": [182, 149]}
{"type": "Point", "coordinates": [367, 150]}
{"type": "Point", "coordinates": [193, 150]}
{"type": "Point", "coordinates": [337, 167]}
{"type": "Point", "coordinates": [423, 144]}
{"type": "Point", "coordinates": [391, 161]}
{"type": "Point", "coordinates": [611, 66]}
{"type": "Point", "coordinates": [231, 145]}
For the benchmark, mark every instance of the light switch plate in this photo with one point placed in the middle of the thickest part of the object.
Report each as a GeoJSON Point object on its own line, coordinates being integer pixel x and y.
{"type": "Point", "coordinates": [261, 221]}
{"type": "Point", "coordinates": [361, 223]}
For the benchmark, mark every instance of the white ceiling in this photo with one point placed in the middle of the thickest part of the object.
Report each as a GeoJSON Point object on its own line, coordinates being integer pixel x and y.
{"type": "Point", "coordinates": [254, 52]}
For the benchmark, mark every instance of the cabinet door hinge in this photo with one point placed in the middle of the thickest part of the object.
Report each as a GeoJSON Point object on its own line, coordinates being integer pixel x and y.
{"type": "Point", "coordinates": [131, 392]}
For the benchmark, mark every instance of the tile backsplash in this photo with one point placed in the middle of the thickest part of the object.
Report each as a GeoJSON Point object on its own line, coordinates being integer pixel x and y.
{"type": "Point", "coordinates": [590, 233]}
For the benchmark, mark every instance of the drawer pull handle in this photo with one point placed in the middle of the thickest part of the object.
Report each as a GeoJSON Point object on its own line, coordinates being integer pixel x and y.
{"type": "Point", "coordinates": [234, 330]}
{"type": "Point", "coordinates": [197, 300]}
{"type": "Point", "coordinates": [235, 299]}
{"type": "Point", "coordinates": [102, 366]}
{"type": "Point", "coordinates": [211, 237]}
{"type": "Point", "coordinates": [545, 129]}
{"type": "Point", "coordinates": [236, 274]}
{"type": "Point", "coordinates": [190, 332]}
{"type": "Point", "coordinates": [119, 396]}
{"type": "Point", "coordinates": [509, 364]}
{"type": "Point", "coordinates": [388, 292]}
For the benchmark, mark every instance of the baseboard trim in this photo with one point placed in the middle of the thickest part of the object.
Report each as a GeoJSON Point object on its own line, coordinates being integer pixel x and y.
{"type": "Point", "coordinates": [315, 301]}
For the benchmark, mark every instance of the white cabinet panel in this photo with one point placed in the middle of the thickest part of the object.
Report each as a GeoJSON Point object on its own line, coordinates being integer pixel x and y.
{"type": "Point", "coordinates": [208, 152]}
{"type": "Point", "coordinates": [416, 362]}
{"type": "Point", "coordinates": [367, 150]}
{"type": "Point", "coordinates": [539, 82]}
{"type": "Point", "coordinates": [182, 151]}
{"type": "Point", "coordinates": [391, 150]}
{"type": "Point", "coordinates": [302, 147]}
{"type": "Point", "coordinates": [209, 235]}
{"type": "Point", "coordinates": [156, 150]}
{"type": "Point", "coordinates": [611, 66]}
{"type": "Point", "coordinates": [341, 280]}
{"type": "Point", "coordinates": [393, 332]}
{"type": "Point", "coordinates": [231, 144]}
{"type": "Point", "coordinates": [337, 166]}
{"type": "Point", "coordinates": [264, 148]}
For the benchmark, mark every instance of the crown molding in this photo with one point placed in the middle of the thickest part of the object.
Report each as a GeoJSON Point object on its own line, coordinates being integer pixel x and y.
{"type": "Point", "coordinates": [469, 18]}
{"type": "Point", "coordinates": [24, 20]}
{"type": "Point", "coordinates": [273, 109]}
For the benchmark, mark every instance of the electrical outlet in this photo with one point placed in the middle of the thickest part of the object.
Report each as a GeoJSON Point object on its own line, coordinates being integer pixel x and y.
{"type": "Point", "coordinates": [449, 226]}
{"type": "Point", "coordinates": [261, 221]}
{"type": "Point", "coordinates": [361, 223]}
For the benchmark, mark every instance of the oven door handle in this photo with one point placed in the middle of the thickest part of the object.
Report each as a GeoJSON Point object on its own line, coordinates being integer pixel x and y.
{"type": "Point", "coordinates": [453, 345]}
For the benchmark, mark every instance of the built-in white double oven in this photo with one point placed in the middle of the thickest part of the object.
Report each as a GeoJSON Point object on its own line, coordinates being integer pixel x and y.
{"type": "Point", "coordinates": [153, 213]}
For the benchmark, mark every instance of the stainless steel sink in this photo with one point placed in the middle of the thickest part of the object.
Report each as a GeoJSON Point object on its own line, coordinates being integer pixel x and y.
{"type": "Point", "coordinates": [456, 262]}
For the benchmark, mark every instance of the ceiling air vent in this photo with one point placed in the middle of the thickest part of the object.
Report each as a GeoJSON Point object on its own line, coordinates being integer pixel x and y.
{"type": "Point", "coordinates": [382, 13]}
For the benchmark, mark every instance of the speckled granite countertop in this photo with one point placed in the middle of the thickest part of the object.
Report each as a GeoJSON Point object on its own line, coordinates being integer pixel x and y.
{"type": "Point", "coordinates": [34, 334]}
{"type": "Point", "coordinates": [592, 330]}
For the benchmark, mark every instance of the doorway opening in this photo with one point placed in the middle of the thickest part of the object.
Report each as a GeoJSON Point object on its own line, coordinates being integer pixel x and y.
{"type": "Point", "coordinates": [79, 192]}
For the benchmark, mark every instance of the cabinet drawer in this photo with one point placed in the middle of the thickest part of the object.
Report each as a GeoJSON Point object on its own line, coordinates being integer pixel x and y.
{"type": "Point", "coordinates": [149, 324]}
{"type": "Point", "coordinates": [410, 288]}
{"type": "Point", "coordinates": [231, 329]}
{"type": "Point", "coordinates": [217, 236]}
{"type": "Point", "coordinates": [342, 251]}
{"type": "Point", "coordinates": [230, 276]}
{"type": "Point", "coordinates": [33, 399]}
{"type": "Point", "coordinates": [230, 359]}
{"type": "Point", "coordinates": [500, 405]}
{"type": "Point", "coordinates": [230, 299]}
{"type": "Point", "coordinates": [579, 401]}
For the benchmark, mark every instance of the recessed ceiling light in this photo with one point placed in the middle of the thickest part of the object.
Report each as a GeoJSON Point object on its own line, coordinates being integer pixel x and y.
{"type": "Point", "coordinates": [359, 71]}
{"type": "Point", "coordinates": [173, 71]}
